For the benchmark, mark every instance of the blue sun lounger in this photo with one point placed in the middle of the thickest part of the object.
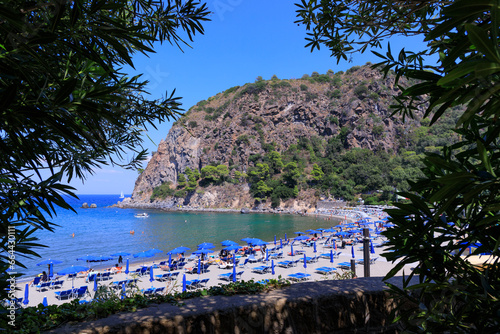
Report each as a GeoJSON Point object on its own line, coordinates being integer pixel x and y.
{"type": "Point", "coordinates": [299, 276]}
{"type": "Point", "coordinates": [285, 264]}
{"type": "Point", "coordinates": [325, 270]}
{"type": "Point", "coordinates": [344, 265]}
{"type": "Point", "coordinates": [261, 269]}
{"type": "Point", "coordinates": [65, 294]}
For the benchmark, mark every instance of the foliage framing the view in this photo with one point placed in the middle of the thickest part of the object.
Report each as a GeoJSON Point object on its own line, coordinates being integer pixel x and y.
{"type": "Point", "coordinates": [66, 108]}
{"type": "Point", "coordinates": [455, 207]}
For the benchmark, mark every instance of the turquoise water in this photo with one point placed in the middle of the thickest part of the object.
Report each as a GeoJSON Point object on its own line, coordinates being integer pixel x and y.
{"type": "Point", "coordinates": [104, 231]}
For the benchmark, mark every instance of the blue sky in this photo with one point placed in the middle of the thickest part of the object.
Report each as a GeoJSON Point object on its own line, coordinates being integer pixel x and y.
{"type": "Point", "coordinates": [244, 40]}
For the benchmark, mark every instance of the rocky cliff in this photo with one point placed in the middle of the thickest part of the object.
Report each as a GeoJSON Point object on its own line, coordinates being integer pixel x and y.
{"type": "Point", "coordinates": [243, 122]}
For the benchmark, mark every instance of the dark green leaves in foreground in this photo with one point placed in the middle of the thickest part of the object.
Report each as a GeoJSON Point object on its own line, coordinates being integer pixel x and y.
{"type": "Point", "coordinates": [65, 106]}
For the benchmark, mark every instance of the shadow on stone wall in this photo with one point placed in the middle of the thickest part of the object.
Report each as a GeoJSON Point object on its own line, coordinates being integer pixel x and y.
{"type": "Point", "coordinates": [351, 306]}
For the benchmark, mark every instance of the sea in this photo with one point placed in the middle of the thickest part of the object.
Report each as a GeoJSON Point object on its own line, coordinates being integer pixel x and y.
{"type": "Point", "coordinates": [105, 230]}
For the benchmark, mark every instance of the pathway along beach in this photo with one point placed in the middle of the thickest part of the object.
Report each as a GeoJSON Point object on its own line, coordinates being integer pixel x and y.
{"type": "Point", "coordinates": [379, 268]}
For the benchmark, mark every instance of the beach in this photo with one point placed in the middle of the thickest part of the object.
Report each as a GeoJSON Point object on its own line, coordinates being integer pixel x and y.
{"type": "Point", "coordinates": [379, 268]}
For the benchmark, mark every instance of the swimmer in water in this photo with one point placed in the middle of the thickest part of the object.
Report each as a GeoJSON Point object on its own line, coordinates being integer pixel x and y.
{"type": "Point", "coordinates": [132, 232]}
{"type": "Point", "coordinates": [73, 235]}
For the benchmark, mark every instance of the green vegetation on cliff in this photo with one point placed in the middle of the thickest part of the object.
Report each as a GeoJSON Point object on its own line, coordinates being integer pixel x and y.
{"type": "Point", "coordinates": [332, 133]}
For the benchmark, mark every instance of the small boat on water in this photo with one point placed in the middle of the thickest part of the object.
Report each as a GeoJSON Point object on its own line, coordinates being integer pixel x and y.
{"type": "Point", "coordinates": [141, 215]}
{"type": "Point", "coordinates": [122, 196]}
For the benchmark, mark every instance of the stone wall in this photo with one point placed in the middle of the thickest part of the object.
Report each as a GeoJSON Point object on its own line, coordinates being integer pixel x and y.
{"type": "Point", "coordinates": [360, 305]}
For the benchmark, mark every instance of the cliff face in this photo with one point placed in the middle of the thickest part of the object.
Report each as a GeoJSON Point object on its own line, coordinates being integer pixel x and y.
{"type": "Point", "coordinates": [242, 122]}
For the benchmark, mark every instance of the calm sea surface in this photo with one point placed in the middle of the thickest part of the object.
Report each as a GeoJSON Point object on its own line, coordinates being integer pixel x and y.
{"type": "Point", "coordinates": [104, 231]}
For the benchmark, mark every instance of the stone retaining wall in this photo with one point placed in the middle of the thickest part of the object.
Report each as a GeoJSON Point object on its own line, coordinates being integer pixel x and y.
{"type": "Point", "coordinates": [350, 306]}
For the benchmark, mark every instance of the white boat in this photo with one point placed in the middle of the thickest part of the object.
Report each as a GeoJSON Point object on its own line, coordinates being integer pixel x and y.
{"type": "Point", "coordinates": [141, 215]}
{"type": "Point", "coordinates": [122, 196]}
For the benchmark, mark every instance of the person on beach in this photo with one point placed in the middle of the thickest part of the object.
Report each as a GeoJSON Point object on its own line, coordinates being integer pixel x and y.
{"type": "Point", "coordinates": [44, 277]}
{"type": "Point", "coordinates": [120, 260]}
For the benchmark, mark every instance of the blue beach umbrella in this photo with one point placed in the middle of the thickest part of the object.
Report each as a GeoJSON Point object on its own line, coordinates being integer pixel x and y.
{"type": "Point", "coordinates": [352, 251]}
{"type": "Point", "coordinates": [51, 270]}
{"type": "Point", "coordinates": [331, 255]}
{"type": "Point", "coordinates": [315, 247]}
{"type": "Point", "coordinates": [144, 255]}
{"type": "Point", "coordinates": [155, 251]}
{"type": "Point", "coordinates": [126, 269]}
{"type": "Point", "coordinates": [234, 273]}
{"type": "Point", "coordinates": [291, 252]}
{"type": "Point", "coordinates": [275, 240]}
{"type": "Point", "coordinates": [285, 236]}
{"type": "Point", "coordinates": [124, 291]}
{"type": "Point", "coordinates": [372, 250]}
{"type": "Point", "coordinates": [95, 285]}
{"type": "Point", "coordinates": [305, 261]}
{"type": "Point", "coordinates": [299, 232]}
{"type": "Point", "coordinates": [302, 237]}
{"type": "Point", "coordinates": [203, 251]}
{"type": "Point", "coordinates": [47, 262]}
{"type": "Point", "coordinates": [26, 294]}
{"type": "Point", "coordinates": [184, 283]}
{"type": "Point", "coordinates": [44, 302]}
{"type": "Point", "coordinates": [247, 239]}
{"type": "Point", "coordinates": [267, 255]}
{"type": "Point", "coordinates": [228, 243]}
{"type": "Point", "coordinates": [199, 266]}
{"type": "Point", "coordinates": [151, 274]}
{"type": "Point", "coordinates": [169, 261]}
{"type": "Point", "coordinates": [206, 245]}
{"type": "Point", "coordinates": [178, 250]}
{"type": "Point", "coordinates": [232, 247]}
{"type": "Point", "coordinates": [234, 260]}
{"type": "Point", "coordinates": [259, 243]}
{"type": "Point", "coordinates": [281, 243]}
{"type": "Point", "coordinates": [272, 267]}
{"type": "Point", "coordinates": [311, 231]}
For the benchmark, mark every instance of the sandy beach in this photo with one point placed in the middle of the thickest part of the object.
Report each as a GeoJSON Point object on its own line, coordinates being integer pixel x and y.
{"type": "Point", "coordinates": [378, 268]}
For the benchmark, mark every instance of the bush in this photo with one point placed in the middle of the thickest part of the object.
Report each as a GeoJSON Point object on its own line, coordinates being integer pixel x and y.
{"type": "Point", "coordinates": [192, 124]}
{"type": "Point", "coordinates": [361, 91]}
{"type": "Point", "coordinates": [255, 88]}
{"type": "Point", "coordinates": [303, 87]}
{"type": "Point", "coordinates": [335, 94]}
{"type": "Point", "coordinates": [162, 191]}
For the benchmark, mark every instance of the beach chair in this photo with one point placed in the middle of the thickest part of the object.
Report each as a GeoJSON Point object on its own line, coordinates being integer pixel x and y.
{"type": "Point", "coordinates": [173, 276]}
{"type": "Point", "coordinates": [193, 270]}
{"type": "Point", "coordinates": [373, 260]}
{"type": "Point", "coordinates": [92, 277]}
{"type": "Point", "coordinates": [148, 291]}
{"type": "Point", "coordinates": [71, 276]}
{"type": "Point", "coordinates": [285, 264]}
{"type": "Point", "coordinates": [203, 282]}
{"type": "Point", "coordinates": [160, 290]}
{"type": "Point", "coordinates": [162, 277]}
{"type": "Point", "coordinates": [82, 292]}
{"type": "Point", "coordinates": [36, 281]}
{"type": "Point", "coordinates": [57, 284]}
{"type": "Point", "coordinates": [192, 284]}
{"type": "Point", "coordinates": [252, 259]}
{"type": "Point", "coordinates": [239, 274]}
{"type": "Point", "coordinates": [344, 265]}
{"type": "Point", "coordinates": [226, 276]}
{"type": "Point", "coordinates": [325, 270]}
{"type": "Point", "coordinates": [65, 294]}
{"type": "Point", "coordinates": [261, 269]}
{"type": "Point", "coordinates": [299, 277]}
{"type": "Point", "coordinates": [43, 286]}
